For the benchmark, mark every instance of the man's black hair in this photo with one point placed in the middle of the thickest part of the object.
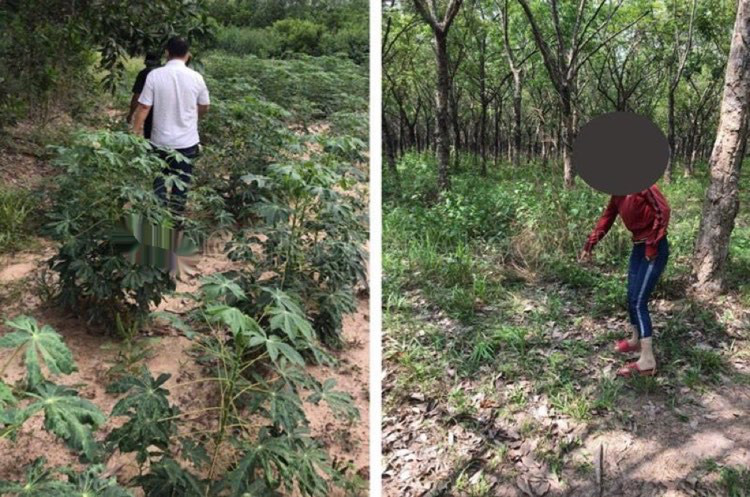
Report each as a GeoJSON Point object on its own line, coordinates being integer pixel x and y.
{"type": "Point", "coordinates": [177, 47]}
{"type": "Point", "coordinates": [152, 58]}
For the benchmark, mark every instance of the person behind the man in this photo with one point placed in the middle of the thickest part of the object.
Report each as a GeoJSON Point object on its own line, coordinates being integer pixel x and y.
{"type": "Point", "coordinates": [179, 96]}
{"type": "Point", "coordinates": [152, 61]}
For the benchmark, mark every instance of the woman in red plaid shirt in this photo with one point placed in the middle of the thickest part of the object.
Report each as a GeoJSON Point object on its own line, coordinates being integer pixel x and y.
{"type": "Point", "coordinates": [646, 216]}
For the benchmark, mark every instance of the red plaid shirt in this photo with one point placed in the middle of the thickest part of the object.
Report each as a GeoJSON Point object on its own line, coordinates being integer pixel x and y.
{"type": "Point", "coordinates": [645, 214]}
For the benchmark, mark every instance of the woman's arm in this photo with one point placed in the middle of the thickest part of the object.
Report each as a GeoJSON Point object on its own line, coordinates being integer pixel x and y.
{"type": "Point", "coordinates": [605, 222]}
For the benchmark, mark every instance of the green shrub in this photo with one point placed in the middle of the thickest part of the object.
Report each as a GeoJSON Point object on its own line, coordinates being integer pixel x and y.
{"type": "Point", "coordinates": [245, 41]}
{"type": "Point", "coordinates": [299, 36]}
{"type": "Point", "coordinates": [311, 239]}
{"type": "Point", "coordinates": [106, 176]}
{"type": "Point", "coordinates": [353, 41]}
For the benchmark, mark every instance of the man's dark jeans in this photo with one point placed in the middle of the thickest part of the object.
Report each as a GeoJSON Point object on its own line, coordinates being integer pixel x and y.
{"type": "Point", "coordinates": [182, 169]}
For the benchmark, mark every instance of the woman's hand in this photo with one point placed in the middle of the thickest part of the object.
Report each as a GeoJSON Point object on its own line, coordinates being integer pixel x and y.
{"type": "Point", "coordinates": [584, 256]}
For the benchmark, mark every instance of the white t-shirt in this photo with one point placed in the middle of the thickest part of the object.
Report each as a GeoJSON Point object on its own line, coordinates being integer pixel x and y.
{"type": "Point", "coordinates": [174, 91]}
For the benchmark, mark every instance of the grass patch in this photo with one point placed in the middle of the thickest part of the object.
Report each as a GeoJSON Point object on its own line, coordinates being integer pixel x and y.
{"type": "Point", "coordinates": [16, 206]}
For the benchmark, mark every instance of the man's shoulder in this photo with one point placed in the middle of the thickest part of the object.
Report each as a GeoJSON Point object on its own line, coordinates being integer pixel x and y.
{"type": "Point", "coordinates": [193, 73]}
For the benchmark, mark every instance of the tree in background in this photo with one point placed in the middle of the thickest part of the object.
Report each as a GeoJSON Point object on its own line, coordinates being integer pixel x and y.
{"type": "Point", "coordinates": [576, 43]}
{"type": "Point", "coordinates": [677, 61]}
{"type": "Point", "coordinates": [440, 26]}
{"type": "Point", "coordinates": [722, 197]}
{"type": "Point", "coordinates": [510, 100]}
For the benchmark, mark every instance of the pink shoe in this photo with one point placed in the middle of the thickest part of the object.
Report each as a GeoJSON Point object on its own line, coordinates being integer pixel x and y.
{"type": "Point", "coordinates": [632, 369]}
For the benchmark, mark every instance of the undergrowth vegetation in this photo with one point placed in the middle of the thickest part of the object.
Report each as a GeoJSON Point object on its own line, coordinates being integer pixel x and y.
{"type": "Point", "coordinates": [489, 314]}
{"type": "Point", "coordinates": [16, 206]}
{"type": "Point", "coordinates": [495, 260]}
{"type": "Point", "coordinates": [520, 219]}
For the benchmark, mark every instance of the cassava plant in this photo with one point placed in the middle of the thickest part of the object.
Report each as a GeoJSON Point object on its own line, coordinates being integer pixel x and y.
{"type": "Point", "coordinates": [308, 240]}
{"type": "Point", "coordinates": [107, 176]}
{"type": "Point", "coordinates": [67, 415]}
{"type": "Point", "coordinates": [258, 369]}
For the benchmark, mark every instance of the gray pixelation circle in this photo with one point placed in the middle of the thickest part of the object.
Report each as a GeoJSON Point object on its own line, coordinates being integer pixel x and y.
{"type": "Point", "coordinates": [620, 153]}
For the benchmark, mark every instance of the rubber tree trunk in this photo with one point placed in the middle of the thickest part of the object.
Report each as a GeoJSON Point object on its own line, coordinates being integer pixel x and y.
{"type": "Point", "coordinates": [456, 122]}
{"type": "Point", "coordinates": [568, 133]}
{"type": "Point", "coordinates": [517, 93]}
{"type": "Point", "coordinates": [389, 146]}
{"type": "Point", "coordinates": [722, 197]}
{"type": "Point", "coordinates": [670, 136]}
{"type": "Point", "coordinates": [442, 101]}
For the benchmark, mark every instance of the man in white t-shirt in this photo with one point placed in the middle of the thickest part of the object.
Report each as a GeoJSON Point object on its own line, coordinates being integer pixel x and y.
{"type": "Point", "coordinates": [179, 97]}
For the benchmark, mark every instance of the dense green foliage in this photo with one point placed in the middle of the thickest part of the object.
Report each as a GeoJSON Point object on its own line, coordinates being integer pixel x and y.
{"type": "Point", "coordinates": [49, 48]}
{"type": "Point", "coordinates": [281, 179]}
{"type": "Point", "coordinates": [290, 456]}
{"type": "Point", "coordinates": [519, 219]}
{"type": "Point", "coordinates": [105, 177]}
{"type": "Point", "coordinates": [278, 28]}
{"type": "Point", "coordinates": [289, 191]}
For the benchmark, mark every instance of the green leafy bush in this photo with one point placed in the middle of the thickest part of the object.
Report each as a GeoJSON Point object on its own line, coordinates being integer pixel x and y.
{"type": "Point", "coordinates": [299, 36]}
{"type": "Point", "coordinates": [310, 237]}
{"type": "Point", "coordinates": [262, 42]}
{"type": "Point", "coordinates": [106, 176]}
{"type": "Point", "coordinates": [352, 41]}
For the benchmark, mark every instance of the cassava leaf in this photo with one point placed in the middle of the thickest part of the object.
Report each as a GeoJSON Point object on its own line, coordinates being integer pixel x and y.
{"type": "Point", "coordinates": [217, 287]}
{"type": "Point", "coordinates": [285, 408]}
{"type": "Point", "coordinates": [341, 403]}
{"type": "Point", "coordinates": [36, 341]}
{"type": "Point", "coordinates": [249, 179]}
{"type": "Point", "coordinates": [268, 454]}
{"type": "Point", "coordinates": [67, 415]}
{"type": "Point", "coordinates": [194, 451]}
{"type": "Point", "coordinates": [166, 478]}
{"type": "Point", "coordinates": [310, 464]}
{"type": "Point", "coordinates": [39, 482]}
{"type": "Point", "coordinates": [234, 318]}
{"type": "Point", "coordinates": [293, 324]}
{"type": "Point", "coordinates": [276, 347]}
{"type": "Point", "coordinates": [6, 395]}
{"type": "Point", "coordinates": [90, 483]}
{"type": "Point", "coordinates": [149, 411]}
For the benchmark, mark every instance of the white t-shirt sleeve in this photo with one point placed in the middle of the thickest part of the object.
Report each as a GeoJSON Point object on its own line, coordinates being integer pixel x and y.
{"type": "Point", "coordinates": [147, 95]}
{"type": "Point", "coordinates": [203, 93]}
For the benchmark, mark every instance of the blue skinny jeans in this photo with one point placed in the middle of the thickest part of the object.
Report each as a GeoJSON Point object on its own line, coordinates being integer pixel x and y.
{"type": "Point", "coordinates": [642, 278]}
